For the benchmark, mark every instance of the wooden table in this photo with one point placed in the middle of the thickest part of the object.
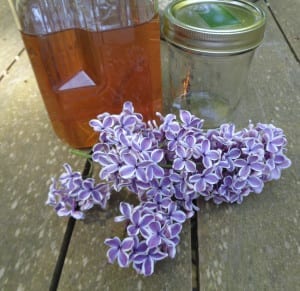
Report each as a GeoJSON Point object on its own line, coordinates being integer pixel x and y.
{"type": "Point", "coordinates": [253, 246]}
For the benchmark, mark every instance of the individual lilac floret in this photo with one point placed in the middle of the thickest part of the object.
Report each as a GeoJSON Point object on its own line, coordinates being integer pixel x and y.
{"type": "Point", "coordinates": [65, 205]}
{"type": "Point", "coordinates": [202, 181]}
{"type": "Point", "coordinates": [126, 211]}
{"type": "Point", "coordinates": [183, 160]}
{"type": "Point", "coordinates": [160, 187]}
{"type": "Point", "coordinates": [119, 250]}
{"type": "Point", "coordinates": [144, 261]}
{"type": "Point", "coordinates": [69, 178]}
{"type": "Point", "coordinates": [253, 147]}
{"type": "Point", "coordinates": [156, 234]}
{"type": "Point", "coordinates": [96, 193]}
{"type": "Point", "coordinates": [274, 139]}
{"type": "Point", "coordinates": [252, 163]}
{"type": "Point", "coordinates": [190, 121]}
{"type": "Point", "coordinates": [139, 222]}
{"type": "Point", "coordinates": [175, 214]}
{"type": "Point", "coordinates": [208, 155]}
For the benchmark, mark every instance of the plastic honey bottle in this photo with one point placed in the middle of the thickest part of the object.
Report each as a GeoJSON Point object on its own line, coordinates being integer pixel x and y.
{"type": "Point", "coordinates": [89, 56]}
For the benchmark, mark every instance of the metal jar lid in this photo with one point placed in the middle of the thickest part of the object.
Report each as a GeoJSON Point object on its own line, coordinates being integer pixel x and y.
{"type": "Point", "coordinates": [214, 26]}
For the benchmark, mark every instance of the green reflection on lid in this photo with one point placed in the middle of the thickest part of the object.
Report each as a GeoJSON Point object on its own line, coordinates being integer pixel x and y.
{"type": "Point", "coordinates": [217, 15]}
{"type": "Point", "coordinates": [213, 15]}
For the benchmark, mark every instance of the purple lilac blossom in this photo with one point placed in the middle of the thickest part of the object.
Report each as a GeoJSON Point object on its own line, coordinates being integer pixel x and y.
{"type": "Point", "coordinates": [153, 229]}
{"type": "Point", "coordinates": [119, 250]}
{"type": "Point", "coordinates": [139, 222]}
{"type": "Point", "coordinates": [144, 261]}
{"type": "Point", "coordinates": [71, 195]}
{"type": "Point", "coordinates": [168, 166]}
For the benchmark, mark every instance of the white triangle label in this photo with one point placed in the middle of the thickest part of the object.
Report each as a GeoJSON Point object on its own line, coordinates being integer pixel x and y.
{"type": "Point", "coordinates": [81, 79]}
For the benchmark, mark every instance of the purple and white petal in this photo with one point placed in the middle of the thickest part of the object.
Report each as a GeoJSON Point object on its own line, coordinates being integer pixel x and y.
{"type": "Point", "coordinates": [108, 122]}
{"type": "Point", "coordinates": [84, 194]}
{"type": "Point", "coordinates": [158, 172]}
{"type": "Point", "coordinates": [146, 220]}
{"type": "Point", "coordinates": [77, 214]}
{"type": "Point", "coordinates": [133, 230]}
{"type": "Point", "coordinates": [126, 209]}
{"type": "Point", "coordinates": [141, 175]}
{"type": "Point", "coordinates": [205, 146]}
{"type": "Point", "coordinates": [240, 163]}
{"type": "Point", "coordinates": [123, 259]}
{"type": "Point", "coordinates": [146, 144]}
{"type": "Point", "coordinates": [175, 229]}
{"type": "Point", "coordinates": [129, 121]}
{"type": "Point", "coordinates": [213, 155]}
{"type": "Point", "coordinates": [113, 242]}
{"type": "Point", "coordinates": [190, 166]}
{"type": "Point", "coordinates": [127, 244]}
{"type": "Point", "coordinates": [155, 227]}
{"type": "Point", "coordinates": [107, 171]}
{"type": "Point", "coordinates": [234, 153]}
{"type": "Point", "coordinates": [140, 257]}
{"type": "Point", "coordinates": [255, 183]}
{"type": "Point", "coordinates": [158, 256]}
{"type": "Point", "coordinates": [244, 172]}
{"type": "Point", "coordinates": [185, 116]}
{"type": "Point", "coordinates": [135, 217]}
{"type": "Point", "coordinates": [112, 254]}
{"type": "Point", "coordinates": [124, 140]}
{"type": "Point", "coordinates": [211, 179]}
{"type": "Point", "coordinates": [148, 267]}
{"type": "Point", "coordinates": [129, 159]}
{"type": "Point", "coordinates": [157, 155]}
{"type": "Point", "coordinates": [63, 212]}
{"type": "Point", "coordinates": [207, 162]}
{"type": "Point", "coordinates": [200, 186]}
{"type": "Point", "coordinates": [257, 166]}
{"type": "Point", "coordinates": [179, 216]}
{"type": "Point", "coordinates": [127, 172]}
{"type": "Point", "coordinates": [153, 241]}
{"type": "Point", "coordinates": [178, 164]}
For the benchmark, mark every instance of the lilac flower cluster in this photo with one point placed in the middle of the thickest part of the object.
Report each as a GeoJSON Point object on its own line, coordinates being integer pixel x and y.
{"type": "Point", "coordinates": [169, 166]}
{"type": "Point", "coordinates": [71, 195]}
{"type": "Point", "coordinates": [179, 160]}
{"type": "Point", "coordinates": [153, 229]}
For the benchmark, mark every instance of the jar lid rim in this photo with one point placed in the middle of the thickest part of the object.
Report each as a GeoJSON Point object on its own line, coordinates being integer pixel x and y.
{"type": "Point", "coordinates": [185, 25]}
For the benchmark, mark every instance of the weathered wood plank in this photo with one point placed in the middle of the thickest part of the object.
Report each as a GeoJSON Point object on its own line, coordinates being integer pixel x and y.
{"type": "Point", "coordinates": [10, 39]}
{"type": "Point", "coordinates": [87, 268]}
{"type": "Point", "coordinates": [30, 154]}
{"type": "Point", "coordinates": [255, 246]}
{"type": "Point", "coordinates": [287, 14]}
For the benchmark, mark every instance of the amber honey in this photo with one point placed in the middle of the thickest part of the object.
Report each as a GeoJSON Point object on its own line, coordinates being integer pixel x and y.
{"type": "Point", "coordinates": [83, 73]}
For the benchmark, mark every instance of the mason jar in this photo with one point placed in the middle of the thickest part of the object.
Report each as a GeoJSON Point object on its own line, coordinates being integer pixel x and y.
{"type": "Point", "coordinates": [210, 45]}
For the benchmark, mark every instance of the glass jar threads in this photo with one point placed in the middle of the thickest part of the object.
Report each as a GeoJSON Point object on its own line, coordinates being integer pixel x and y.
{"type": "Point", "coordinates": [210, 47]}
